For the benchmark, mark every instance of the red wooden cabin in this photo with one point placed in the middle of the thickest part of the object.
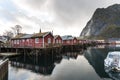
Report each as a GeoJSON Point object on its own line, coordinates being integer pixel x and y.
{"type": "Point", "coordinates": [37, 40]}
{"type": "Point", "coordinates": [75, 41]}
{"type": "Point", "coordinates": [69, 40]}
{"type": "Point", "coordinates": [17, 40]}
{"type": "Point", "coordinates": [57, 39]}
{"type": "Point", "coordinates": [42, 39]}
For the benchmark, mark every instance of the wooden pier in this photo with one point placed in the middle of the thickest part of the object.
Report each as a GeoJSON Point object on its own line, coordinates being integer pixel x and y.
{"type": "Point", "coordinates": [41, 51]}
{"type": "Point", "coordinates": [4, 69]}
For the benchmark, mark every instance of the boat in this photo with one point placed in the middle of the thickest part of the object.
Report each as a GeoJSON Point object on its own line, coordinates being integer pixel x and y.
{"type": "Point", "coordinates": [112, 61]}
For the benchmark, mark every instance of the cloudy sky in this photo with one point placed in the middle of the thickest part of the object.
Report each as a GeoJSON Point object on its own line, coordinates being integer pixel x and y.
{"type": "Point", "coordinates": [62, 16]}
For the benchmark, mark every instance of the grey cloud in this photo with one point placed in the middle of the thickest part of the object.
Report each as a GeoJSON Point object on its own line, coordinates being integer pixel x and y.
{"type": "Point", "coordinates": [7, 16]}
{"type": "Point", "coordinates": [35, 4]}
{"type": "Point", "coordinates": [32, 19]}
{"type": "Point", "coordinates": [67, 13]}
{"type": "Point", "coordinates": [73, 11]}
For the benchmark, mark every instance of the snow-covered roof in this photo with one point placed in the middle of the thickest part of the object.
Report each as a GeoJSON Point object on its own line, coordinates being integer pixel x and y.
{"type": "Point", "coordinates": [3, 39]}
{"type": "Point", "coordinates": [41, 34]}
{"type": "Point", "coordinates": [67, 37]}
{"type": "Point", "coordinates": [27, 36]}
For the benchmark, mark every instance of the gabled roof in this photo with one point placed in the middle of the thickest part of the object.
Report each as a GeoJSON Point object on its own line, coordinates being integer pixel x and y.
{"type": "Point", "coordinates": [40, 34]}
{"type": "Point", "coordinates": [79, 38]}
{"type": "Point", "coordinates": [55, 36]}
{"type": "Point", "coordinates": [67, 37]}
{"type": "Point", "coordinates": [26, 36]}
{"type": "Point", "coordinates": [19, 36]}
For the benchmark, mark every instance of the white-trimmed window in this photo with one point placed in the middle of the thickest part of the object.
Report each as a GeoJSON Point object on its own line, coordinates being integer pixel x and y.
{"type": "Point", "coordinates": [14, 41]}
{"type": "Point", "coordinates": [17, 41]}
{"type": "Point", "coordinates": [74, 41]}
{"type": "Point", "coordinates": [56, 41]}
{"type": "Point", "coordinates": [23, 40]}
{"type": "Point", "coordinates": [49, 40]}
{"type": "Point", "coordinates": [59, 41]}
{"type": "Point", "coordinates": [27, 40]}
{"type": "Point", "coordinates": [36, 40]}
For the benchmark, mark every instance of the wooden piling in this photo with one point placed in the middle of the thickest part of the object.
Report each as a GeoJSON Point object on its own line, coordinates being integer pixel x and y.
{"type": "Point", "coordinates": [0, 47]}
{"type": "Point", "coordinates": [46, 51]}
{"type": "Point", "coordinates": [4, 69]}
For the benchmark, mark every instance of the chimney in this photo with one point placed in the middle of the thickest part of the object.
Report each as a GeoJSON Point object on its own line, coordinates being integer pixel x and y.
{"type": "Point", "coordinates": [52, 32]}
{"type": "Point", "coordinates": [40, 30]}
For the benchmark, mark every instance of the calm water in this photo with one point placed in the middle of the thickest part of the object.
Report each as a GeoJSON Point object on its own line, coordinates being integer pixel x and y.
{"type": "Point", "coordinates": [85, 65]}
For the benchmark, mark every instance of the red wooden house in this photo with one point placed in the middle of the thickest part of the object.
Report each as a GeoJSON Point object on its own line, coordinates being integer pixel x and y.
{"type": "Point", "coordinates": [69, 40]}
{"type": "Point", "coordinates": [42, 39]}
{"type": "Point", "coordinates": [57, 39]}
{"type": "Point", "coordinates": [75, 41]}
{"type": "Point", "coordinates": [37, 40]}
{"type": "Point", "coordinates": [22, 40]}
{"type": "Point", "coordinates": [17, 41]}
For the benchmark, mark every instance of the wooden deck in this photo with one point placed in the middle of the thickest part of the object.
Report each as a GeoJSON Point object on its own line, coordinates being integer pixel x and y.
{"type": "Point", "coordinates": [12, 51]}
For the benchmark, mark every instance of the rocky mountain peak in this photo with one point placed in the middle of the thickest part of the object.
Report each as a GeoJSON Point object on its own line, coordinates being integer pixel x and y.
{"type": "Point", "coordinates": [101, 19]}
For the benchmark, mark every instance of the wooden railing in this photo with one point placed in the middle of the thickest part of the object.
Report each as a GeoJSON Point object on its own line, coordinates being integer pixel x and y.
{"type": "Point", "coordinates": [4, 69]}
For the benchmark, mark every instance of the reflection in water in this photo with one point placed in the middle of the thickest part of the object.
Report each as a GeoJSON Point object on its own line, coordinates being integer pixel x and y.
{"type": "Point", "coordinates": [45, 65]}
{"type": "Point", "coordinates": [27, 67]}
{"type": "Point", "coordinates": [114, 75]}
{"type": "Point", "coordinates": [96, 58]}
{"type": "Point", "coordinates": [86, 65]}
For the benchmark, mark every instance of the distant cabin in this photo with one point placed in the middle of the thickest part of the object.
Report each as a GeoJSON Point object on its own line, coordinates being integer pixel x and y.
{"type": "Point", "coordinates": [37, 40]}
{"type": "Point", "coordinates": [114, 40]}
{"type": "Point", "coordinates": [4, 39]}
{"type": "Point", "coordinates": [83, 41]}
{"type": "Point", "coordinates": [57, 39]}
{"type": "Point", "coordinates": [69, 40]}
{"type": "Point", "coordinates": [100, 41]}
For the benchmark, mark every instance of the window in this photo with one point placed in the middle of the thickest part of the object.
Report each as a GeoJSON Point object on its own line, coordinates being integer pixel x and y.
{"type": "Point", "coordinates": [56, 41]}
{"type": "Point", "coordinates": [27, 40]}
{"type": "Point", "coordinates": [59, 41]}
{"type": "Point", "coordinates": [23, 40]}
{"type": "Point", "coordinates": [14, 41]}
{"type": "Point", "coordinates": [79, 41]}
{"type": "Point", "coordinates": [17, 41]}
{"type": "Point", "coordinates": [74, 41]}
{"type": "Point", "coordinates": [36, 40]}
{"type": "Point", "coordinates": [49, 40]}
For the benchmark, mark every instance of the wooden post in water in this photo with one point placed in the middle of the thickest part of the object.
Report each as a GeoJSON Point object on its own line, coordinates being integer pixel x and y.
{"type": "Point", "coordinates": [16, 50]}
{"type": "Point", "coordinates": [52, 55]}
{"type": "Point", "coordinates": [4, 69]}
{"type": "Point", "coordinates": [7, 50]}
{"type": "Point", "coordinates": [36, 52]}
{"type": "Point", "coordinates": [24, 55]}
{"type": "Point", "coordinates": [0, 47]}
